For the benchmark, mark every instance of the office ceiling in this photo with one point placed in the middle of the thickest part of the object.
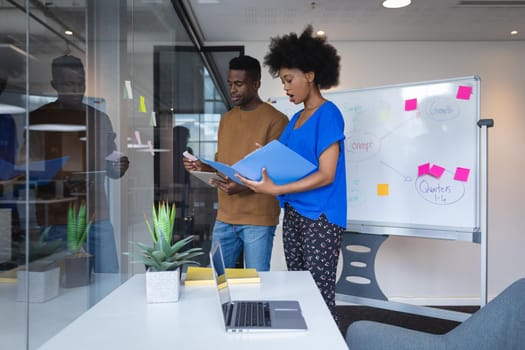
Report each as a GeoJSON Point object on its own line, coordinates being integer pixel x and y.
{"type": "Point", "coordinates": [256, 20]}
{"type": "Point", "coordinates": [239, 21]}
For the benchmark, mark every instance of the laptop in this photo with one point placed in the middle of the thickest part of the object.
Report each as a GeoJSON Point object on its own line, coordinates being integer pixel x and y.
{"type": "Point", "coordinates": [253, 315]}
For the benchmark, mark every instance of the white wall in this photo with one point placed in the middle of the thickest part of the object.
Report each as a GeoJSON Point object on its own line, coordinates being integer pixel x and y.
{"type": "Point", "coordinates": [434, 271]}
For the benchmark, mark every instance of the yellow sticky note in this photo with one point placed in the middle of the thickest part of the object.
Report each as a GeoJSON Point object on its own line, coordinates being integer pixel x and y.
{"type": "Point", "coordinates": [382, 189]}
{"type": "Point", "coordinates": [142, 105]}
{"type": "Point", "coordinates": [384, 114]}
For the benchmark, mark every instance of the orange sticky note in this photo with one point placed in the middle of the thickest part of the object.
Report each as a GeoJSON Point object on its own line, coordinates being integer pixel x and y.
{"type": "Point", "coordinates": [382, 189]}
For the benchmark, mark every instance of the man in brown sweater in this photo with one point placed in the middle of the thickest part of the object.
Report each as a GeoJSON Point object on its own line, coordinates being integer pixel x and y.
{"type": "Point", "coordinates": [83, 136]}
{"type": "Point", "coordinates": [245, 220]}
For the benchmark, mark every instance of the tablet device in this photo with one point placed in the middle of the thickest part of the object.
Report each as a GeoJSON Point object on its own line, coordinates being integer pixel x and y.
{"type": "Point", "coordinates": [205, 176]}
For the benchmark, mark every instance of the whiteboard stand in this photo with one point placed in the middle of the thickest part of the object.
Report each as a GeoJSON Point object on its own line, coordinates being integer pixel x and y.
{"type": "Point", "coordinates": [484, 124]}
{"type": "Point", "coordinates": [372, 237]}
{"type": "Point", "coordinates": [358, 283]}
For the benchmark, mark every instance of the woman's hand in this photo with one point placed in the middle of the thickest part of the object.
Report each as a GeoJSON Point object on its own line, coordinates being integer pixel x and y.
{"type": "Point", "coordinates": [265, 185]}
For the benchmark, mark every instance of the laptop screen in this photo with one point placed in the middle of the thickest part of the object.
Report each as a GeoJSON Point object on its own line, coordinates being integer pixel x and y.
{"type": "Point", "coordinates": [219, 274]}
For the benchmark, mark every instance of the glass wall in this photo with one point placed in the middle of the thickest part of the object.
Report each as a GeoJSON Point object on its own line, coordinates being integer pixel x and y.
{"type": "Point", "coordinates": [98, 99]}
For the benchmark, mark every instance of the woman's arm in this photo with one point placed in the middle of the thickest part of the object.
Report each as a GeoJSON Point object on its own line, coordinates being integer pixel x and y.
{"type": "Point", "coordinates": [322, 177]}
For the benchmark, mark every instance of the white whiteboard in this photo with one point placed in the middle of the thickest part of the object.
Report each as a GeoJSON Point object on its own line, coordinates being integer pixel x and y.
{"type": "Point", "coordinates": [392, 133]}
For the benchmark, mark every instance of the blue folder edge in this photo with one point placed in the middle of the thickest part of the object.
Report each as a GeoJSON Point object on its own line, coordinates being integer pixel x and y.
{"type": "Point", "coordinates": [282, 164]}
{"type": "Point", "coordinates": [41, 171]}
{"type": "Point", "coordinates": [223, 168]}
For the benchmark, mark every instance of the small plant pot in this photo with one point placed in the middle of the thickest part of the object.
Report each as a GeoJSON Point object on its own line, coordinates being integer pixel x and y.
{"type": "Point", "coordinates": [43, 284]}
{"type": "Point", "coordinates": [162, 286]}
{"type": "Point", "coordinates": [77, 270]}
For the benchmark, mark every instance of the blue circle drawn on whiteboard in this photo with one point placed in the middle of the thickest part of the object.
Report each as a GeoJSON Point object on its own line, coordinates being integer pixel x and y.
{"type": "Point", "coordinates": [442, 191]}
{"type": "Point", "coordinates": [441, 108]}
{"type": "Point", "coordinates": [362, 146]}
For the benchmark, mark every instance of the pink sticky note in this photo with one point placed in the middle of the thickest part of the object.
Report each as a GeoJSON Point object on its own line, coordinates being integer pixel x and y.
{"type": "Point", "coordinates": [150, 147]}
{"type": "Point", "coordinates": [137, 137]}
{"type": "Point", "coordinates": [411, 104]}
{"type": "Point", "coordinates": [436, 171]}
{"type": "Point", "coordinates": [423, 169]}
{"type": "Point", "coordinates": [461, 174]}
{"type": "Point", "coordinates": [464, 92]}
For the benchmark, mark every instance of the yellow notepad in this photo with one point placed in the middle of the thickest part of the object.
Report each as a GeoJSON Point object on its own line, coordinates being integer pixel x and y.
{"type": "Point", "coordinates": [201, 276]}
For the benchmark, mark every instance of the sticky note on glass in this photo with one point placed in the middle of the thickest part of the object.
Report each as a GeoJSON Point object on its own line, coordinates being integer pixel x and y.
{"type": "Point", "coordinates": [464, 92]}
{"type": "Point", "coordinates": [150, 147]}
{"type": "Point", "coordinates": [411, 104]}
{"type": "Point", "coordinates": [142, 105]}
{"type": "Point", "coordinates": [461, 174]}
{"type": "Point", "coordinates": [137, 137]}
{"type": "Point", "coordinates": [436, 171]}
{"type": "Point", "coordinates": [382, 189]}
{"type": "Point", "coordinates": [128, 93]}
{"type": "Point", "coordinates": [423, 169]}
{"type": "Point", "coordinates": [153, 119]}
{"type": "Point", "coordinates": [384, 114]}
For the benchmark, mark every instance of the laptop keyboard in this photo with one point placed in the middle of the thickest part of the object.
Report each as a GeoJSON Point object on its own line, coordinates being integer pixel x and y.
{"type": "Point", "coordinates": [252, 314]}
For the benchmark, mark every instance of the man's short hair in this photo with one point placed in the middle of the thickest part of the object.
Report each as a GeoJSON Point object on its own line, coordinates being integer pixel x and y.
{"type": "Point", "coordinates": [66, 61]}
{"type": "Point", "coordinates": [248, 64]}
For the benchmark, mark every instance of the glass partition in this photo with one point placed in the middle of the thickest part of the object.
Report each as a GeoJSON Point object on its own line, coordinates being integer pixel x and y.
{"type": "Point", "coordinates": [98, 99]}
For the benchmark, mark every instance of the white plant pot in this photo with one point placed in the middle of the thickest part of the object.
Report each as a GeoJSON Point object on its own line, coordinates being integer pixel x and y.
{"type": "Point", "coordinates": [162, 286]}
{"type": "Point", "coordinates": [43, 285]}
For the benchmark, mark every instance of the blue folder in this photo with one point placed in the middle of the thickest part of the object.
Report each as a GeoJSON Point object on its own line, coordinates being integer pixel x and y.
{"type": "Point", "coordinates": [42, 171]}
{"type": "Point", "coordinates": [282, 164]}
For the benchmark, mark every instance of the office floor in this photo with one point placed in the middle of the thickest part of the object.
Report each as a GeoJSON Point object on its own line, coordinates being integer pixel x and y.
{"type": "Point", "coordinates": [348, 314]}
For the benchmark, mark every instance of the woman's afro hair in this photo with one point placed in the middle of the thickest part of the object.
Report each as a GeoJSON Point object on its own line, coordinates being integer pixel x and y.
{"type": "Point", "coordinates": [308, 53]}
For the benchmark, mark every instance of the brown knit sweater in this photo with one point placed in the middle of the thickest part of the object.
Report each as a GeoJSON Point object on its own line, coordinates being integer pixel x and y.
{"type": "Point", "coordinates": [238, 132]}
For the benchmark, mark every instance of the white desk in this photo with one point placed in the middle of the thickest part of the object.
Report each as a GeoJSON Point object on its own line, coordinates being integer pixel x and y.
{"type": "Point", "coordinates": [123, 320]}
{"type": "Point", "coordinates": [48, 318]}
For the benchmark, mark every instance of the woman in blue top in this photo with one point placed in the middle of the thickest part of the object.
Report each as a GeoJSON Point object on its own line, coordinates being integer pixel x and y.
{"type": "Point", "coordinates": [315, 206]}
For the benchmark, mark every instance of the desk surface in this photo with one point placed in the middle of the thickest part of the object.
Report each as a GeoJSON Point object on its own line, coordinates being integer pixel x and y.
{"type": "Point", "coordinates": [123, 320]}
{"type": "Point", "coordinates": [48, 318]}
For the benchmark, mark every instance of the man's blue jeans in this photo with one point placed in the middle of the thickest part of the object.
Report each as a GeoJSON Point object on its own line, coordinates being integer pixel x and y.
{"type": "Point", "coordinates": [255, 241]}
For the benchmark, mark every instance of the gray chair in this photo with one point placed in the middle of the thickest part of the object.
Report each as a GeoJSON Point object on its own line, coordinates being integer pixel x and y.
{"type": "Point", "coordinates": [498, 325]}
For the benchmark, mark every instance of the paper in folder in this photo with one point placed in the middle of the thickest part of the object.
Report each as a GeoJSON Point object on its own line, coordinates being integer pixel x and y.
{"type": "Point", "coordinates": [282, 164]}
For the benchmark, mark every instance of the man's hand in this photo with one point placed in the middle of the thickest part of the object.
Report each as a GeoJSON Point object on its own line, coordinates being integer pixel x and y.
{"type": "Point", "coordinates": [228, 186]}
{"type": "Point", "coordinates": [116, 169]}
{"type": "Point", "coordinates": [196, 165]}
{"type": "Point", "coordinates": [192, 165]}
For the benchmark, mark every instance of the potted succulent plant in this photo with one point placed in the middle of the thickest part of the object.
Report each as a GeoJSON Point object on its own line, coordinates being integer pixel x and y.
{"type": "Point", "coordinates": [78, 263]}
{"type": "Point", "coordinates": [164, 258]}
